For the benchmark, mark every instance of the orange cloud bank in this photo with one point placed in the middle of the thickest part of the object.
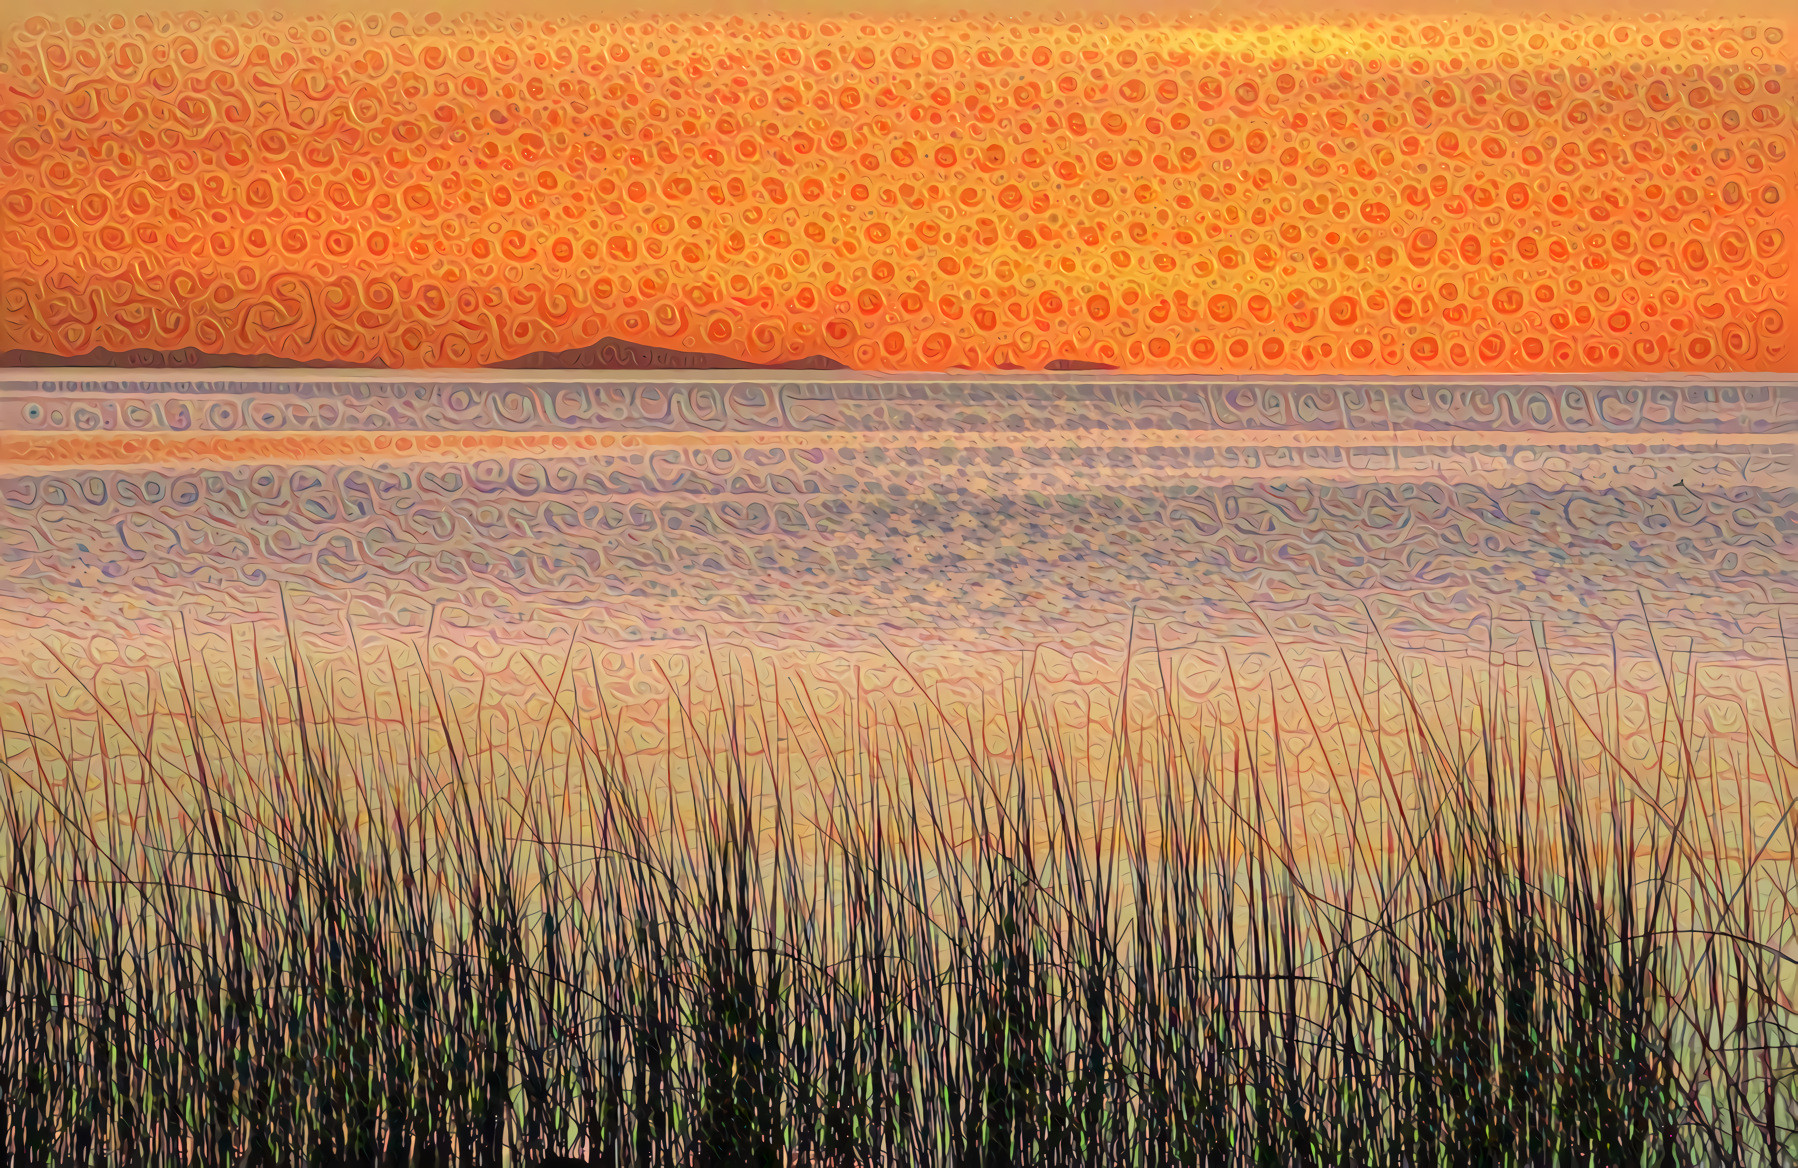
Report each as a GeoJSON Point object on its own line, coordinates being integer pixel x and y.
{"type": "Point", "coordinates": [1381, 195]}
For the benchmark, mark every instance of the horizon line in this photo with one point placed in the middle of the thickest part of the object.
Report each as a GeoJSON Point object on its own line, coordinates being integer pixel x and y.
{"type": "Point", "coordinates": [264, 374]}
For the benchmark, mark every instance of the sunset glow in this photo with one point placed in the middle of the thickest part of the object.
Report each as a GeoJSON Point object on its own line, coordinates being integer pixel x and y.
{"type": "Point", "coordinates": [1394, 195]}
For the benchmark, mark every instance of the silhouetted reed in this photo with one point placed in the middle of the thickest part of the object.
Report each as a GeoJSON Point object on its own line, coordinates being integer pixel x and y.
{"type": "Point", "coordinates": [1533, 953]}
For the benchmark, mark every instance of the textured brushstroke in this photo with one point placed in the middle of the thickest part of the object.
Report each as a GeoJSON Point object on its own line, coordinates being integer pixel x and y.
{"type": "Point", "coordinates": [825, 511]}
{"type": "Point", "coordinates": [1384, 194]}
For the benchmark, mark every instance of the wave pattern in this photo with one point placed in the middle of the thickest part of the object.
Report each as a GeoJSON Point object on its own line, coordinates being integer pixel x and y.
{"type": "Point", "coordinates": [989, 405]}
{"type": "Point", "coordinates": [1007, 529]}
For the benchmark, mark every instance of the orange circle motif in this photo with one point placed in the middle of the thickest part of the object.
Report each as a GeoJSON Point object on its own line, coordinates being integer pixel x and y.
{"type": "Point", "coordinates": [900, 194]}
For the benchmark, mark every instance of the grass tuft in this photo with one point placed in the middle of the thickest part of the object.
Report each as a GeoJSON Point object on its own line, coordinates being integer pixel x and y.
{"type": "Point", "coordinates": [1402, 936]}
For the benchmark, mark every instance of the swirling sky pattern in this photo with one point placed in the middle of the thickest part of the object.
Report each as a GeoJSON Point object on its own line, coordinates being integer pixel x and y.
{"type": "Point", "coordinates": [1376, 195]}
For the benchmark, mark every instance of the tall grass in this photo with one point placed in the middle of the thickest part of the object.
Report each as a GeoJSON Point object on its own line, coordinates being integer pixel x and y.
{"type": "Point", "coordinates": [451, 950]}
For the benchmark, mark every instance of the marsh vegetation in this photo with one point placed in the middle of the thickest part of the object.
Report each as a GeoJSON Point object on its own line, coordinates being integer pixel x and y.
{"type": "Point", "coordinates": [1498, 936]}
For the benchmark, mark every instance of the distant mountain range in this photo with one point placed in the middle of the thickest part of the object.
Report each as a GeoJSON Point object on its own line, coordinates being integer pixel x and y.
{"type": "Point", "coordinates": [612, 353]}
{"type": "Point", "coordinates": [605, 354]}
{"type": "Point", "coordinates": [159, 359]}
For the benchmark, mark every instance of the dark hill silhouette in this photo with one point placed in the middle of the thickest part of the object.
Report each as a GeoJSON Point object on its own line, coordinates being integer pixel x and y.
{"type": "Point", "coordinates": [612, 353]}
{"type": "Point", "coordinates": [606, 353]}
{"type": "Point", "coordinates": [160, 359]}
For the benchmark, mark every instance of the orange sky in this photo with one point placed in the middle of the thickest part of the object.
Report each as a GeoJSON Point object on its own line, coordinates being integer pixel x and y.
{"type": "Point", "coordinates": [1396, 195]}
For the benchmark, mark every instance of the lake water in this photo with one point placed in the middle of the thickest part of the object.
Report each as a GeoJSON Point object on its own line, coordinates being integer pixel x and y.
{"type": "Point", "coordinates": [825, 509]}
{"type": "Point", "coordinates": [630, 538]}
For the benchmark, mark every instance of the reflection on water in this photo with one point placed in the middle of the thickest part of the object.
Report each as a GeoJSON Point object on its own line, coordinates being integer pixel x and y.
{"type": "Point", "coordinates": [819, 511]}
{"type": "Point", "coordinates": [1249, 556]}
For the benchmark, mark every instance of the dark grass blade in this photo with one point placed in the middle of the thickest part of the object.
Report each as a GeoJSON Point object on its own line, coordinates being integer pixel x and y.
{"type": "Point", "coordinates": [308, 952]}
